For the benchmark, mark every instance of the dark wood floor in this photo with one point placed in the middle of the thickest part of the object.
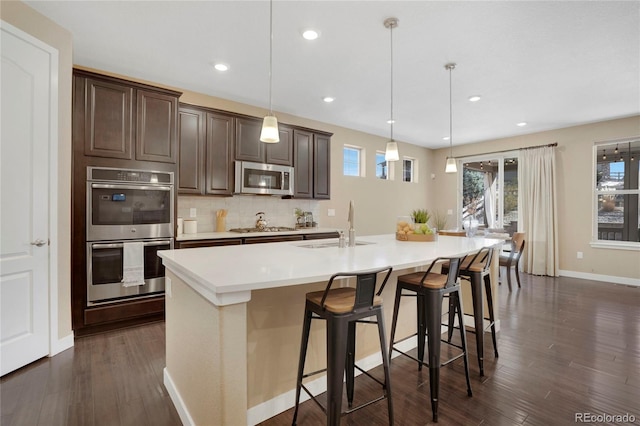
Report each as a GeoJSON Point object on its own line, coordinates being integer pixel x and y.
{"type": "Point", "coordinates": [567, 346]}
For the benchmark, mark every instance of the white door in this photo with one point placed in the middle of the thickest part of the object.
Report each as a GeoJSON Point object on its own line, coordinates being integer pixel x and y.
{"type": "Point", "coordinates": [24, 200]}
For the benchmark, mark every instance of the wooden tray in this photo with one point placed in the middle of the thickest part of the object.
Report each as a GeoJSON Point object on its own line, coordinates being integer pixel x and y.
{"type": "Point", "coordinates": [415, 237]}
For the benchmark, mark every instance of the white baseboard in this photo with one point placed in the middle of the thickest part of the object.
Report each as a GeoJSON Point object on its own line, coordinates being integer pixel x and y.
{"type": "Point", "coordinates": [181, 408]}
{"type": "Point", "coordinates": [285, 401]}
{"type": "Point", "coordinates": [60, 345]}
{"type": "Point", "coordinates": [598, 277]}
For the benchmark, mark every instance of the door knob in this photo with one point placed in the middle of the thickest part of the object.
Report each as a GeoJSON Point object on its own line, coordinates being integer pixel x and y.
{"type": "Point", "coordinates": [38, 243]}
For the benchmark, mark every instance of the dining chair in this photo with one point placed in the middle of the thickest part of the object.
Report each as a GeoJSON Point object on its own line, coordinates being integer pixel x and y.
{"type": "Point", "coordinates": [512, 258]}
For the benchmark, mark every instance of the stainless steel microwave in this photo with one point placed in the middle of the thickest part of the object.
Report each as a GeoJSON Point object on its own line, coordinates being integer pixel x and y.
{"type": "Point", "coordinates": [266, 179]}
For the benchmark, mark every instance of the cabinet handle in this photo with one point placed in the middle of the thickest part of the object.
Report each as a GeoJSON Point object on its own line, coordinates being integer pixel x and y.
{"type": "Point", "coordinates": [39, 243]}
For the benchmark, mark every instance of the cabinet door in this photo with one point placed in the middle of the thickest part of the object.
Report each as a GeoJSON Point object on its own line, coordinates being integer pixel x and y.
{"type": "Point", "coordinates": [191, 151]}
{"type": "Point", "coordinates": [281, 152]}
{"type": "Point", "coordinates": [220, 138]}
{"type": "Point", "coordinates": [108, 119]}
{"type": "Point", "coordinates": [322, 167]}
{"type": "Point", "coordinates": [156, 138]}
{"type": "Point", "coordinates": [248, 145]}
{"type": "Point", "coordinates": [303, 164]}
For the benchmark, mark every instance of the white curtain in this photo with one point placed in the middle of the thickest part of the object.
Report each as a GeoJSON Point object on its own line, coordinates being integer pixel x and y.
{"type": "Point", "coordinates": [490, 200]}
{"type": "Point", "coordinates": [537, 202]}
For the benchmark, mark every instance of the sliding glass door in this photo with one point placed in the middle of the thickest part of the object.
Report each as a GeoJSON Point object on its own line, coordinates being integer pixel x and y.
{"type": "Point", "coordinates": [489, 196]}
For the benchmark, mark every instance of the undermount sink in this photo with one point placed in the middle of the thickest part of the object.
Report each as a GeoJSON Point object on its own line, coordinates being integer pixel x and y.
{"type": "Point", "coordinates": [331, 244]}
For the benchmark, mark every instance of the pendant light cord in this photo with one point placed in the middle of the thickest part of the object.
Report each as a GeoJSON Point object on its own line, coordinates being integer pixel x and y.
{"type": "Point", "coordinates": [391, 103]}
{"type": "Point", "coordinates": [450, 117]}
{"type": "Point", "coordinates": [270, 54]}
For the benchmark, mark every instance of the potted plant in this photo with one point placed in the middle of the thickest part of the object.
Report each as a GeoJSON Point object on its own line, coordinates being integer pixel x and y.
{"type": "Point", "coordinates": [420, 216]}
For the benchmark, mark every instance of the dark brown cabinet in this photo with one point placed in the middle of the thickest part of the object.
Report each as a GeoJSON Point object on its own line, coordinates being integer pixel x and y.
{"type": "Point", "coordinates": [254, 240]}
{"type": "Point", "coordinates": [208, 243]}
{"type": "Point", "coordinates": [250, 148]}
{"type": "Point", "coordinates": [312, 153]}
{"type": "Point", "coordinates": [191, 150]}
{"type": "Point", "coordinates": [121, 124]}
{"type": "Point", "coordinates": [206, 140]}
{"type": "Point", "coordinates": [219, 169]}
{"type": "Point", "coordinates": [303, 156]}
{"type": "Point", "coordinates": [321, 166]}
{"type": "Point", "coordinates": [108, 119]}
{"type": "Point", "coordinates": [321, 236]}
{"type": "Point", "coordinates": [156, 127]}
{"type": "Point", "coordinates": [126, 120]}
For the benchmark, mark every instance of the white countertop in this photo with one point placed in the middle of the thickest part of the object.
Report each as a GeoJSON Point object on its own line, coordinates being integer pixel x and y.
{"type": "Point", "coordinates": [226, 275]}
{"type": "Point", "coordinates": [228, 235]}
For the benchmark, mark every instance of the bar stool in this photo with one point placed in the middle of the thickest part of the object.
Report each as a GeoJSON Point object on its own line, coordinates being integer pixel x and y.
{"type": "Point", "coordinates": [476, 269]}
{"type": "Point", "coordinates": [430, 288]}
{"type": "Point", "coordinates": [342, 308]}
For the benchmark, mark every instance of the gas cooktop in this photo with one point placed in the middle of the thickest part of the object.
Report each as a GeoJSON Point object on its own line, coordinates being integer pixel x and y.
{"type": "Point", "coordinates": [267, 229]}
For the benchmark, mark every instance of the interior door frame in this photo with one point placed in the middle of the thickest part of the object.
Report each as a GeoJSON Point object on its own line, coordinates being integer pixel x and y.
{"type": "Point", "coordinates": [55, 345]}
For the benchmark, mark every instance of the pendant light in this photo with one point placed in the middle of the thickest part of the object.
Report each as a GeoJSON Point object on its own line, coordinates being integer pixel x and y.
{"type": "Point", "coordinates": [391, 152]}
{"type": "Point", "coordinates": [604, 154]}
{"type": "Point", "coordinates": [270, 132]}
{"type": "Point", "coordinates": [451, 161]}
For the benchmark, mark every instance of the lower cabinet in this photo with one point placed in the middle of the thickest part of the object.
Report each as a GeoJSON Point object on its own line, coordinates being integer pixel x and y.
{"type": "Point", "coordinates": [208, 243]}
{"type": "Point", "coordinates": [321, 236]}
{"type": "Point", "coordinates": [253, 240]}
{"type": "Point", "coordinates": [274, 239]}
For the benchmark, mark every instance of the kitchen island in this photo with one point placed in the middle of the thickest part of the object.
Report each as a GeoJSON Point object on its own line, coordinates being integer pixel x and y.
{"type": "Point", "coordinates": [234, 318]}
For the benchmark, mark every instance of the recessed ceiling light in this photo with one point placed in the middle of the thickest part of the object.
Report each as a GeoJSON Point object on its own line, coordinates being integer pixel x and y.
{"type": "Point", "coordinates": [391, 121]}
{"type": "Point", "coordinates": [328, 99]}
{"type": "Point", "coordinates": [310, 34]}
{"type": "Point", "coordinates": [446, 138]}
{"type": "Point", "coordinates": [522, 124]}
{"type": "Point", "coordinates": [474, 98]}
{"type": "Point", "coordinates": [221, 67]}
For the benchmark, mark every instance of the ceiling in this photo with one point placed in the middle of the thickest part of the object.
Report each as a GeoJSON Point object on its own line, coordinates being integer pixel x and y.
{"type": "Point", "coordinates": [551, 64]}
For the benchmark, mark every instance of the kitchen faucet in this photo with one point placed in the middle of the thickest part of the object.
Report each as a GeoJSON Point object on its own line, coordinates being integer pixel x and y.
{"type": "Point", "coordinates": [352, 231]}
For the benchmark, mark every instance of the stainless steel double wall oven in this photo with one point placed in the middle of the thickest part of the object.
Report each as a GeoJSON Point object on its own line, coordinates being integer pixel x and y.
{"type": "Point", "coordinates": [125, 206]}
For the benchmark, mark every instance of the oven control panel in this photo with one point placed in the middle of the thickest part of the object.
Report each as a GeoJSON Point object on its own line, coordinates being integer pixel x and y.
{"type": "Point", "coordinates": [125, 175]}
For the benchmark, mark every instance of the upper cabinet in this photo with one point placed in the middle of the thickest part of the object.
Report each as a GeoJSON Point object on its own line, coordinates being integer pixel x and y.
{"type": "Point", "coordinates": [108, 118]}
{"type": "Point", "coordinates": [312, 153]}
{"type": "Point", "coordinates": [126, 120]}
{"type": "Point", "coordinates": [206, 140]}
{"type": "Point", "coordinates": [321, 166]}
{"type": "Point", "coordinates": [156, 137]}
{"type": "Point", "coordinates": [191, 150]}
{"type": "Point", "coordinates": [250, 148]}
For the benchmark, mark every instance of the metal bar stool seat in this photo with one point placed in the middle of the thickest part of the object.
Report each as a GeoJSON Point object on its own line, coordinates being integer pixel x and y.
{"type": "Point", "coordinates": [430, 288]}
{"type": "Point", "coordinates": [342, 308]}
{"type": "Point", "coordinates": [476, 270]}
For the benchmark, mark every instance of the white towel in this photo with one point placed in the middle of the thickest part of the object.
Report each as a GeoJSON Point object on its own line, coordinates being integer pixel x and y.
{"type": "Point", "coordinates": [132, 264]}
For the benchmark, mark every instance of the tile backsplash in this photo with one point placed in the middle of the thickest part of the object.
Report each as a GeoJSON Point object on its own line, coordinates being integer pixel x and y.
{"type": "Point", "coordinates": [242, 209]}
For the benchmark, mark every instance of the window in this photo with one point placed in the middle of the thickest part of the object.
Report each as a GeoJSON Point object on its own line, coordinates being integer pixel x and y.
{"type": "Point", "coordinates": [382, 166]}
{"type": "Point", "coordinates": [408, 170]}
{"type": "Point", "coordinates": [352, 161]}
{"type": "Point", "coordinates": [616, 192]}
{"type": "Point", "coordinates": [490, 192]}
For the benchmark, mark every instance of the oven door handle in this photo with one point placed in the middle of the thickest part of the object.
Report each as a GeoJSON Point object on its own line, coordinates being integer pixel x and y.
{"type": "Point", "coordinates": [139, 187]}
{"type": "Point", "coordinates": [120, 245]}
